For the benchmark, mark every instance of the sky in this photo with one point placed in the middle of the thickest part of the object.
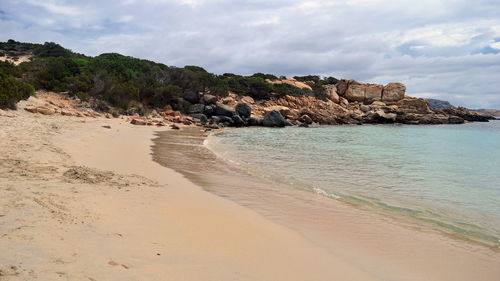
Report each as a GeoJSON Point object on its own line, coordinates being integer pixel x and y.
{"type": "Point", "coordinates": [444, 49]}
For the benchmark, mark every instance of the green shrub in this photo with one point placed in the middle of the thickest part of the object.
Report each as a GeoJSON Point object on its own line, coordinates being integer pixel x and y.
{"type": "Point", "coordinates": [13, 90]}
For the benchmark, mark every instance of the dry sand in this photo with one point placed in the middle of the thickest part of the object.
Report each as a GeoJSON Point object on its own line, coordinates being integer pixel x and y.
{"type": "Point", "coordinates": [82, 202]}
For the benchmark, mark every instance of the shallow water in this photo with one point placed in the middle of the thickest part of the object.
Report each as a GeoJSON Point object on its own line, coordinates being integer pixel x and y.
{"type": "Point", "coordinates": [446, 176]}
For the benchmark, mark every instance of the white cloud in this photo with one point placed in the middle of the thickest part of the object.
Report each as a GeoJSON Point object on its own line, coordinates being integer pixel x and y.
{"type": "Point", "coordinates": [444, 49]}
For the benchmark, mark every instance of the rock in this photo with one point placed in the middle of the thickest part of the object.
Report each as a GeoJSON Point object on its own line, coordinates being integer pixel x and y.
{"type": "Point", "coordinates": [224, 110]}
{"type": "Point", "coordinates": [364, 108]}
{"type": "Point", "coordinates": [209, 110]}
{"type": "Point", "coordinates": [373, 93]}
{"type": "Point", "coordinates": [138, 121]}
{"type": "Point", "coordinates": [192, 97]}
{"type": "Point", "coordinates": [274, 119]}
{"type": "Point", "coordinates": [305, 119]}
{"type": "Point", "coordinates": [466, 114]}
{"type": "Point", "coordinates": [196, 108]}
{"type": "Point", "coordinates": [175, 127]}
{"type": "Point", "coordinates": [342, 87]}
{"type": "Point", "coordinates": [237, 121]}
{"type": "Point", "coordinates": [108, 115]}
{"type": "Point", "coordinates": [331, 93]}
{"type": "Point", "coordinates": [45, 110]}
{"type": "Point", "coordinates": [243, 109]}
{"type": "Point", "coordinates": [393, 92]}
{"type": "Point", "coordinates": [282, 109]}
{"type": "Point", "coordinates": [209, 99]}
{"type": "Point", "coordinates": [455, 120]}
{"type": "Point", "coordinates": [225, 119]}
{"type": "Point", "coordinates": [31, 109]}
{"type": "Point", "coordinates": [303, 125]}
{"type": "Point", "coordinates": [413, 105]}
{"type": "Point", "coordinates": [344, 101]}
{"type": "Point", "coordinates": [378, 103]}
{"type": "Point", "coordinates": [200, 118]}
{"type": "Point", "coordinates": [355, 91]}
{"type": "Point", "coordinates": [247, 99]}
{"type": "Point", "coordinates": [252, 121]}
{"type": "Point", "coordinates": [106, 126]}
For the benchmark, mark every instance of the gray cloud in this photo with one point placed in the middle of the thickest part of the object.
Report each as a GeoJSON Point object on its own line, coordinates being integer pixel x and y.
{"type": "Point", "coordinates": [445, 49]}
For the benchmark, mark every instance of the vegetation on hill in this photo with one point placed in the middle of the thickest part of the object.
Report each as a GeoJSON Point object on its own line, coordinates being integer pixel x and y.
{"type": "Point", "coordinates": [12, 89]}
{"type": "Point", "coordinates": [124, 82]}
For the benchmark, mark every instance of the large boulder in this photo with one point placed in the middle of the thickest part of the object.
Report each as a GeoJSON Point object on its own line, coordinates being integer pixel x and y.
{"type": "Point", "coordinates": [243, 109]}
{"type": "Point", "coordinates": [342, 87]}
{"type": "Point", "coordinates": [237, 121]}
{"type": "Point", "coordinates": [355, 91]}
{"type": "Point", "coordinates": [192, 96]}
{"type": "Point", "coordinates": [274, 119]}
{"type": "Point", "coordinates": [414, 105]}
{"type": "Point", "coordinates": [196, 108]}
{"type": "Point", "coordinates": [393, 92]}
{"type": "Point", "coordinates": [331, 93]}
{"type": "Point", "coordinates": [224, 110]}
{"type": "Point", "coordinates": [209, 99]}
{"type": "Point", "coordinates": [209, 110]}
{"type": "Point", "coordinates": [373, 93]}
{"type": "Point", "coordinates": [252, 121]}
{"type": "Point", "coordinates": [201, 118]}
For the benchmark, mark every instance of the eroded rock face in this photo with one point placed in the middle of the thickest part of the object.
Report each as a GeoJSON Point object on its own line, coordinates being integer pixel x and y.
{"type": "Point", "coordinates": [393, 92]}
{"type": "Point", "coordinates": [331, 93]}
{"type": "Point", "coordinates": [355, 91]}
{"type": "Point", "coordinates": [373, 93]}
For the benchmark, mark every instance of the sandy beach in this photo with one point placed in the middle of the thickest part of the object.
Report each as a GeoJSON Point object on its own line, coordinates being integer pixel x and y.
{"type": "Point", "coordinates": [79, 201]}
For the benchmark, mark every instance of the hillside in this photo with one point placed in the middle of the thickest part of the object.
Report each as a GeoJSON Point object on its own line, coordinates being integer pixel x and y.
{"type": "Point", "coordinates": [119, 84]}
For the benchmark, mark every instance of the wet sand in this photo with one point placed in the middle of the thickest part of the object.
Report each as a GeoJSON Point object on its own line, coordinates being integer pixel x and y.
{"type": "Point", "coordinates": [386, 248]}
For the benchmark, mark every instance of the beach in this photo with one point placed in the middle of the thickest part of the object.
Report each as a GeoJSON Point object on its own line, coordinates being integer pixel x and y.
{"type": "Point", "coordinates": [80, 201]}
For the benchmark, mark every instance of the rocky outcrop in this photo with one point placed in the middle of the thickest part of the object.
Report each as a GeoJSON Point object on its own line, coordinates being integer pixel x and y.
{"type": "Point", "coordinates": [466, 114]}
{"type": "Point", "coordinates": [292, 82]}
{"type": "Point", "coordinates": [331, 93]}
{"type": "Point", "coordinates": [355, 91]}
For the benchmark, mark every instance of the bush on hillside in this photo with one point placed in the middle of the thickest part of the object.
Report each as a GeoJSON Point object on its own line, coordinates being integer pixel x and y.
{"type": "Point", "coordinates": [13, 90]}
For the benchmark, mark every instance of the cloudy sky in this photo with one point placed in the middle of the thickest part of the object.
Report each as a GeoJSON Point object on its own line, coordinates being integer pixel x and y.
{"type": "Point", "coordinates": [446, 49]}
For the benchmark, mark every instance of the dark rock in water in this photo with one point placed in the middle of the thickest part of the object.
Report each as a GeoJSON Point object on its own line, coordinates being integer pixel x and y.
{"type": "Point", "coordinates": [237, 121]}
{"type": "Point", "coordinates": [274, 119]}
{"type": "Point", "coordinates": [209, 110]}
{"type": "Point", "coordinates": [304, 125]}
{"type": "Point", "coordinates": [196, 108]}
{"type": "Point", "coordinates": [209, 99]}
{"type": "Point", "coordinates": [438, 104]}
{"type": "Point", "coordinates": [252, 121]}
{"type": "Point", "coordinates": [243, 109]}
{"type": "Point", "coordinates": [201, 118]}
{"type": "Point", "coordinates": [224, 110]}
{"type": "Point", "coordinates": [192, 97]}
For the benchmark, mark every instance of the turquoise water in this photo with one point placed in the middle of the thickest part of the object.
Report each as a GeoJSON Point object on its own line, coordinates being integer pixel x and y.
{"type": "Point", "coordinates": [444, 176]}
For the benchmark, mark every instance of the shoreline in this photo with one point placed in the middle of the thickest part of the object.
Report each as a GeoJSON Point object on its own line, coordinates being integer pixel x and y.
{"type": "Point", "coordinates": [384, 246]}
{"type": "Point", "coordinates": [94, 206]}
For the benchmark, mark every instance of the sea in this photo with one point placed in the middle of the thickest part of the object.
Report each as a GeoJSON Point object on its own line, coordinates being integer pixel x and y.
{"type": "Point", "coordinates": [439, 178]}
